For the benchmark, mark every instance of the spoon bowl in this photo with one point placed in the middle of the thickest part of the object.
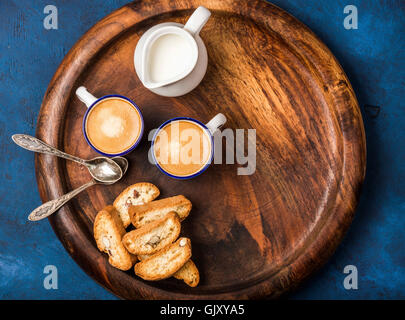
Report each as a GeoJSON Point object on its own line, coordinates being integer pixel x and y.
{"type": "Point", "coordinates": [104, 170]}
{"type": "Point", "coordinates": [122, 162]}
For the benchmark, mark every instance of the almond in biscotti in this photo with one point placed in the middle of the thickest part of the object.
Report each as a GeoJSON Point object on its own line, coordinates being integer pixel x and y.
{"type": "Point", "coordinates": [153, 236]}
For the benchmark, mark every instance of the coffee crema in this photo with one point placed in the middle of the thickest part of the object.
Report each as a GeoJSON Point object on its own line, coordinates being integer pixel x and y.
{"type": "Point", "coordinates": [113, 126]}
{"type": "Point", "coordinates": [182, 148]}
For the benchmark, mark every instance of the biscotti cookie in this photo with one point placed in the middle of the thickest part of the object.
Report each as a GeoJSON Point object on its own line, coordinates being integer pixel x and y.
{"type": "Point", "coordinates": [108, 232]}
{"type": "Point", "coordinates": [155, 210]}
{"type": "Point", "coordinates": [137, 194]}
{"type": "Point", "coordinates": [189, 274]}
{"type": "Point", "coordinates": [154, 236]}
{"type": "Point", "coordinates": [166, 262]}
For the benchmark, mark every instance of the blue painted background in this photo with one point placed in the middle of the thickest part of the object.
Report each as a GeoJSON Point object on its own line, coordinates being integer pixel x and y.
{"type": "Point", "coordinates": [373, 58]}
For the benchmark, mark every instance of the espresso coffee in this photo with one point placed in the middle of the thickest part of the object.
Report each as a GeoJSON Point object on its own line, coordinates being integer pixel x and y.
{"type": "Point", "coordinates": [113, 126]}
{"type": "Point", "coordinates": [182, 148]}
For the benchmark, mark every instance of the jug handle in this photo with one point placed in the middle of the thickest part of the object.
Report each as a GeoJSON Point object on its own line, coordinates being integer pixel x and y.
{"type": "Point", "coordinates": [197, 20]}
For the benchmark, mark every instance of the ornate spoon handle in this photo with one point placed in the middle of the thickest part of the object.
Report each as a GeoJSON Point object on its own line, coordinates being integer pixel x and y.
{"type": "Point", "coordinates": [33, 144]}
{"type": "Point", "coordinates": [51, 206]}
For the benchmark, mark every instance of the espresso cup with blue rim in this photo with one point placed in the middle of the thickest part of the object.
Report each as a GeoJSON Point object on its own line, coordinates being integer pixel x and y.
{"type": "Point", "coordinates": [183, 147]}
{"type": "Point", "coordinates": [112, 125]}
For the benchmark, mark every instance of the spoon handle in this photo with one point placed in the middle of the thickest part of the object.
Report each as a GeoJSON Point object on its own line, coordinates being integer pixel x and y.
{"type": "Point", "coordinates": [33, 144]}
{"type": "Point", "coordinates": [46, 209]}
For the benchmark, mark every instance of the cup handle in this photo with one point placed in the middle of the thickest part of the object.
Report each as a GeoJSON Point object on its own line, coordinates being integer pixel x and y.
{"type": "Point", "coordinates": [85, 96]}
{"type": "Point", "coordinates": [197, 20]}
{"type": "Point", "coordinates": [216, 123]}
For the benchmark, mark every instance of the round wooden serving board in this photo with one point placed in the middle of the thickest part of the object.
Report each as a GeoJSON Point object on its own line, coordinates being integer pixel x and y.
{"type": "Point", "coordinates": [253, 236]}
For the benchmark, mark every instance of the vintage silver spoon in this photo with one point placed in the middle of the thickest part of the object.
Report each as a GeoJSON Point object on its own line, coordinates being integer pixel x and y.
{"type": "Point", "coordinates": [46, 209]}
{"type": "Point", "coordinates": [101, 169]}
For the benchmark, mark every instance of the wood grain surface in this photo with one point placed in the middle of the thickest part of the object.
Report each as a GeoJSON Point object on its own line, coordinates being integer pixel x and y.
{"type": "Point", "coordinates": [253, 236]}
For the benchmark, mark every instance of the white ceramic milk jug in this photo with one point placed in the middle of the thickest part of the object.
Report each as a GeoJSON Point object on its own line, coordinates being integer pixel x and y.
{"type": "Point", "coordinates": [171, 59]}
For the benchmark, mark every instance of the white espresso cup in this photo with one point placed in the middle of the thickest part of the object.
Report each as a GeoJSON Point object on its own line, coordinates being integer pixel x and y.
{"type": "Point", "coordinates": [204, 134]}
{"type": "Point", "coordinates": [110, 123]}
